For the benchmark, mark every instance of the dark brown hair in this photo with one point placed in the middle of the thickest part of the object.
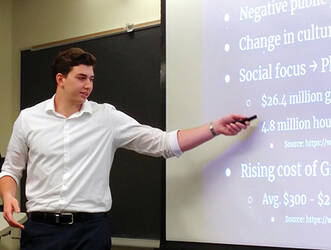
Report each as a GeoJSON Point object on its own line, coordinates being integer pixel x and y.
{"type": "Point", "coordinates": [69, 58]}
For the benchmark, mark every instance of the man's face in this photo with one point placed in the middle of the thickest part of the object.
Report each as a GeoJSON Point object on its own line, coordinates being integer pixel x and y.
{"type": "Point", "coordinates": [78, 83]}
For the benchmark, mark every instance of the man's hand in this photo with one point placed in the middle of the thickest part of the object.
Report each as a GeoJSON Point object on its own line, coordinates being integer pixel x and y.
{"type": "Point", "coordinates": [10, 206]}
{"type": "Point", "coordinates": [230, 125]}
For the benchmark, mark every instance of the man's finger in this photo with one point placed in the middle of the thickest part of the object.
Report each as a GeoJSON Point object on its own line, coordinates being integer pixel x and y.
{"type": "Point", "coordinates": [235, 127]}
{"type": "Point", "coordinates": [12, 222]}
{"type": "Point", "coordinates": [16, 208]}
{"type": "Point", "coordinates": [8, 215]}
{"type": "Point", "coordinates": [230, 129]}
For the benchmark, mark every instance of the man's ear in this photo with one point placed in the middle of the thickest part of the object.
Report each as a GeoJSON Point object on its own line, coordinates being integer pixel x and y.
{"type": "Point", "coordinates": [60, 80]}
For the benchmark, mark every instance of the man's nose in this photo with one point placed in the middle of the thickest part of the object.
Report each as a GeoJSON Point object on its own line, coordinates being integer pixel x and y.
{"type": "Point", "coordinates": [88, 84]}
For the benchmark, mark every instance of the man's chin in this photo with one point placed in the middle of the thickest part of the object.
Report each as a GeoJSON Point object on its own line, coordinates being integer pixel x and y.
{"type": "Point", "coordinates": [79, 101]}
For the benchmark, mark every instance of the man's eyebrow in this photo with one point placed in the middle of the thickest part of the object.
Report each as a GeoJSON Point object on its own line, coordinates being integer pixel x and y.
{"type": "Point", "coordinates": [82, 74]}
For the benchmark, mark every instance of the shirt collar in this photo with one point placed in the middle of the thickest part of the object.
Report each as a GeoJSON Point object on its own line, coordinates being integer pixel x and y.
{"type": "Point", "coordinates": [86, 107]}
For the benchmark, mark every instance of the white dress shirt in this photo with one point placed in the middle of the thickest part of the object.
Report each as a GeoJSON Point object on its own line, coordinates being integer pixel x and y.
{"type": "Point", "coordinates": [68, 160]}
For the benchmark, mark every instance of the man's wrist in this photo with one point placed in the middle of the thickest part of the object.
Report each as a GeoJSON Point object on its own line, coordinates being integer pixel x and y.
{"type": "Point", "coordinates": [212, 130]}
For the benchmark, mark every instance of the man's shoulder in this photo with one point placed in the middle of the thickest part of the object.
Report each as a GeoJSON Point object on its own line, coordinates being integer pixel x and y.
{"type": "Point", "coordinates": [37, 108]}
{"type": "Point", "coordinates": [101, 106]}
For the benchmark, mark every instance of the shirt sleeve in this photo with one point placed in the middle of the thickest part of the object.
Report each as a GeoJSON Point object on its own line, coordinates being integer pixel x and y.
{"type": "Point", "coordinates": [17, 153]}
{"type": "Point", "coordinates": [144, 139]}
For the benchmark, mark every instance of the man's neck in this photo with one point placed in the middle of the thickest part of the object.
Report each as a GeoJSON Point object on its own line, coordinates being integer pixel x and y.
{"type": "Point", "coordinates": [64, 107]}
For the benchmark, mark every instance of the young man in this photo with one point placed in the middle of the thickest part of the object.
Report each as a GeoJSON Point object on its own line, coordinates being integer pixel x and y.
{"type": "Point", "coordinates": [67, 144]}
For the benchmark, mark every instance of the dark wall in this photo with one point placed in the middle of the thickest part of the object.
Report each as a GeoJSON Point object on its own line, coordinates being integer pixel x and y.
{"type": "Point", "coordinates": [1, 162]}
{"type": "Point", "coordinates": [128, 77]}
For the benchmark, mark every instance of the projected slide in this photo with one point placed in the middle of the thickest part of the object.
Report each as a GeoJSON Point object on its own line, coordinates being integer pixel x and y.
{"type": "Point", "coordinates": [273, 59]}
{"type": "Point", "coordinates": [270, 185]}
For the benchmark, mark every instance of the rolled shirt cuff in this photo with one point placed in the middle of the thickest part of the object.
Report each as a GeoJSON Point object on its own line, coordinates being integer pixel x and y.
{"type": "Point", "coordinates": [173, 141]}
{"type": "Point", "coordinates": [4, 173]}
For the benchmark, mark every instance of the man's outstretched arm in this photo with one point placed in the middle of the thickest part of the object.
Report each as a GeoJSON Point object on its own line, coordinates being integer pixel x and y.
{"type": "Point", "coordinates": [228, 125]}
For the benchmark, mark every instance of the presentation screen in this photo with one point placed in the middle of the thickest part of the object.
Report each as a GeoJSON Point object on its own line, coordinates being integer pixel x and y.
{"type": "Point", "coordinates": [270, 185]}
